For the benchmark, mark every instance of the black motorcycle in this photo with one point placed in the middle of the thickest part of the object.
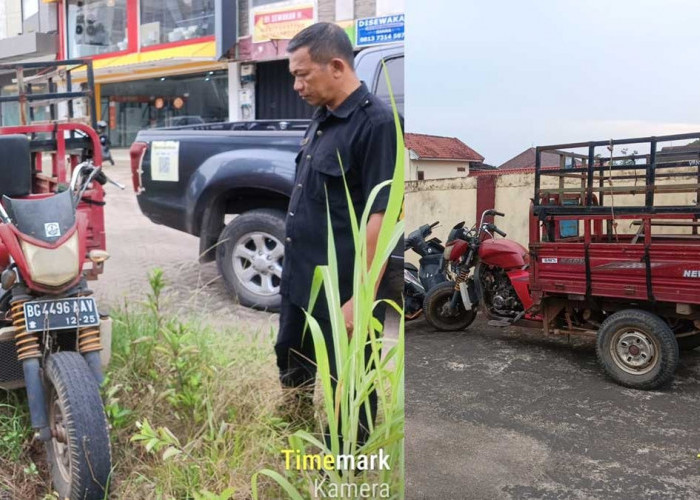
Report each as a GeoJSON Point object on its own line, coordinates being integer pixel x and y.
{"type": "Point", "coordinates": [106, 143]}
{"type": "Point", "coordinates": [430, 273]}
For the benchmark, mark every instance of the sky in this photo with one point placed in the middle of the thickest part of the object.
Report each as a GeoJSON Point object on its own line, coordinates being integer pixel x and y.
{"type": "Point", "coordinates": [503, 76]}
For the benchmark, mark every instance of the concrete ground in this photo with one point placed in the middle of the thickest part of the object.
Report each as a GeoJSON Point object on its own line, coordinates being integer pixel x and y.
{"type": "Point", "coordinates": [504, 413]}
{"type": "Point", "coordinates": [137, 245]}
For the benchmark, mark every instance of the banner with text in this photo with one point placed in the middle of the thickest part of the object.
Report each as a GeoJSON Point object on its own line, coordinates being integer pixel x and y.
{"type": "Point", "coordinates": [281, 23]}
{"type": "Point", "coordinates": [376, 30]}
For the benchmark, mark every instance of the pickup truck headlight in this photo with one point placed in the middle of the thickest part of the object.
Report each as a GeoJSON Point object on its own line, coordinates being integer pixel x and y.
{"type": "Point", "coordinates": [53, 266]}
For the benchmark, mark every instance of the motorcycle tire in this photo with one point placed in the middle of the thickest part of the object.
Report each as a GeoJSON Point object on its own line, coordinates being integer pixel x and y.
{"type": "Point", "coordinates": [79, 453]}
{"type": "Point", "coordinates": [434, 309]}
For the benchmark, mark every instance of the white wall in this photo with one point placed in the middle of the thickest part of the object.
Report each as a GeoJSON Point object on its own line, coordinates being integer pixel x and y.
{"type": "Point", "coordinates": [344, 10]}
{"type": "Point", "coordinates": [386, 7]}
{"type": "Point", "coordinates": [437, 169]}
{"type": "Point", "coordinates": [237, 108]}
{"type": "Point", "coordinates": [447, 200]}
{"type": "Point", "coordinates": [10, 18]}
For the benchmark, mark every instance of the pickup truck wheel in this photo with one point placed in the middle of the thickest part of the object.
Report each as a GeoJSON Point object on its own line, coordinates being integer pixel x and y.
{"type": "Point", "coordinates": [637, 349]}
{"type": "Point", "coordinates": [250, 255]}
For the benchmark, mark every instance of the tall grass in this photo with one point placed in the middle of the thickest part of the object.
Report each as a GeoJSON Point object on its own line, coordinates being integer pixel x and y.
{"type": "Point", "coordinates": [358, 376]}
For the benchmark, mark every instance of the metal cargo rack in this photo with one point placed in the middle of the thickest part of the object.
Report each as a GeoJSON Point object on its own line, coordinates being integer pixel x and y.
{"type": "Point", "coordinates": [599, 178]}
{"type": "Point", "coordinates": [30, 76]}
{"type": "Point", "coordinates": [68, 138]}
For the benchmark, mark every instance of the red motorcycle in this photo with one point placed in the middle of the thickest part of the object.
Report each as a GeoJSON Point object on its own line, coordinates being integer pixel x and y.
{"type": "Point", "coordinates": [498, 284]}
{"type": "Point", "coordinates": [51, 331]}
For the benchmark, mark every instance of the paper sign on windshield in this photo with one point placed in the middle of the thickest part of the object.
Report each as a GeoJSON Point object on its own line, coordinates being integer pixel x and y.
{"type": "Point", "coordinates": [164, 160]}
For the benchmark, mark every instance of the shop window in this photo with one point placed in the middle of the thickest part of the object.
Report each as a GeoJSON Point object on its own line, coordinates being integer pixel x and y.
{"type": "Point", "coordinates": [96, 27]}
{"type": "Point", "coordinates": [163, 102]}
{"type": "Point", "coordinates": [166, 22]}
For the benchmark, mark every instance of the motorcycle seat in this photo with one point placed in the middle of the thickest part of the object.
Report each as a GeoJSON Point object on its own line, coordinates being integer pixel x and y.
{"type": "Point", "coordinates": [15, 166]}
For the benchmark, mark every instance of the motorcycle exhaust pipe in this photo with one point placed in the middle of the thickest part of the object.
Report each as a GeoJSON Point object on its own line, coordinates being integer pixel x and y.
{"type": "Point", "coordinates": [414, 315]}
{"type": "Point", "coordinates": [36, 398]}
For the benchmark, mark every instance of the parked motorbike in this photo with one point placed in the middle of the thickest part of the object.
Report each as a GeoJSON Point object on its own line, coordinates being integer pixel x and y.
{"type": "Point", "coordinates": [52, 333]}
{"type": "Point", "coordinates": [417, 280]}
{"type": "Point", "coordinates": [104, 141]}
{"type": "Point", "coordinates": [498, 283]}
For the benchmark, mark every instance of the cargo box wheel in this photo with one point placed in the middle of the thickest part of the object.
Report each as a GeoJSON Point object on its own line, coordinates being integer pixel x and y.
{"type": "Point", "coordinates": [637, 349]}
{"type": "Point", "coordinates": [250, 255]}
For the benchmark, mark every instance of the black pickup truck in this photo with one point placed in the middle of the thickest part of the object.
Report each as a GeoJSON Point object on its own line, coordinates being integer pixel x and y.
{"type": "Point", "coordinates": [190, 178]}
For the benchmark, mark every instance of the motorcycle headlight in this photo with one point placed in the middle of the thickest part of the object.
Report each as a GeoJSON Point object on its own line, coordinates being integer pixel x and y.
{"type": "Point", "coordinates": [53, 266]}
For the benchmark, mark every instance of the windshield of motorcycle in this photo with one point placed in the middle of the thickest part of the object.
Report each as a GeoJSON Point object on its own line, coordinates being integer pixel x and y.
{"type": "Point", "coordinates": [455, 234]}
{"type": "Point", "coordinates": [46, 219]}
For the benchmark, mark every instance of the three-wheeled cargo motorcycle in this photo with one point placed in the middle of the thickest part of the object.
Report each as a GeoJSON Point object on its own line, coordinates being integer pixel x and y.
{"type": "Point", "coordinates": [54, 340]}
{"type": "Point", "coordinates": [614, 253]}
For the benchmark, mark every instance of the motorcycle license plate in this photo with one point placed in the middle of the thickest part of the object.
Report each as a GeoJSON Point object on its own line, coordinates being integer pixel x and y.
{"type": "Point", "coordinates": [61, 314]}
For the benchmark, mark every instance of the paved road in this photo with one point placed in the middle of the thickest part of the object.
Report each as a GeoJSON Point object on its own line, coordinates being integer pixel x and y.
{"type": "Point", "coordinates": [504, 413]}
{"type": "Point", "coordinates": [137, 245]}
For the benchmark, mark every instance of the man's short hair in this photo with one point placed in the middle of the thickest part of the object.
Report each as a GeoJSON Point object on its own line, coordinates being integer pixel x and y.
{"type": "Point", "coordinates": [325, 41]}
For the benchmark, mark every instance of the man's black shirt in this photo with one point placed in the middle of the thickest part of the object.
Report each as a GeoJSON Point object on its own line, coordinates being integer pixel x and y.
{"type": "Point", "coordinates": [360, 135]}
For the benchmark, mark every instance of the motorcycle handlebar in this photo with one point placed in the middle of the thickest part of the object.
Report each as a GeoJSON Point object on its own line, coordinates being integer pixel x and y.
{"type": "Point", "coordinates": [500, 214]}
{"type": "Point", "coordinates": [496, 230]}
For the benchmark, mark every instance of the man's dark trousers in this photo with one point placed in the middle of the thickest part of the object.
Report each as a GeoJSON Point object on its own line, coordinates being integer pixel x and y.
{"type": "Point", "coordinates": [296, 356]}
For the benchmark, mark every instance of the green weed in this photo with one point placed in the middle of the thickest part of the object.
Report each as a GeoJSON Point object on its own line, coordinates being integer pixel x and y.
{"type": "Point", "coordinates": [357, 376]}
{"type": "Point", "coordinates": [196, 408]}
{"type": "Point", "coordinates": [14, 425]}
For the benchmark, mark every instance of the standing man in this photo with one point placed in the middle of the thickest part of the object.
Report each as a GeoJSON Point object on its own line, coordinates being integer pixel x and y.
{"type": "Point", "coordinates": [350, 127]}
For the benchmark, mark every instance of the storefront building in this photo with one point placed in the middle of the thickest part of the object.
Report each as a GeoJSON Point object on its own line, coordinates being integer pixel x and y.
{"type": "Point", "coordinates": [176, 62]}
{"type": "Point", "coordinates": [155, 61]}
{"type": "Point", "coordinates": [260, 85]}
{"type": "Point", "coordinates": [27, 33]}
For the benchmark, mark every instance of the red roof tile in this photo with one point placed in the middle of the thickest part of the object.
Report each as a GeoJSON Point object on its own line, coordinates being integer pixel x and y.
{"type": "Point", "coordinates": [440, 148]}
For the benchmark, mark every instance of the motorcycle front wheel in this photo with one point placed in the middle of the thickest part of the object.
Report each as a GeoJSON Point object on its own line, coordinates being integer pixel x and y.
{"type": "Point", "coordinates": [78, 453]}
{"type": "Point", "coordinates": [437, 311]}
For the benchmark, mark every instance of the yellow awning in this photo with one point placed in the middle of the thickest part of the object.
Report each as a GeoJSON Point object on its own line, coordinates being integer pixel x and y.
{"type": "Point", "coordinates": [192, 58]}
